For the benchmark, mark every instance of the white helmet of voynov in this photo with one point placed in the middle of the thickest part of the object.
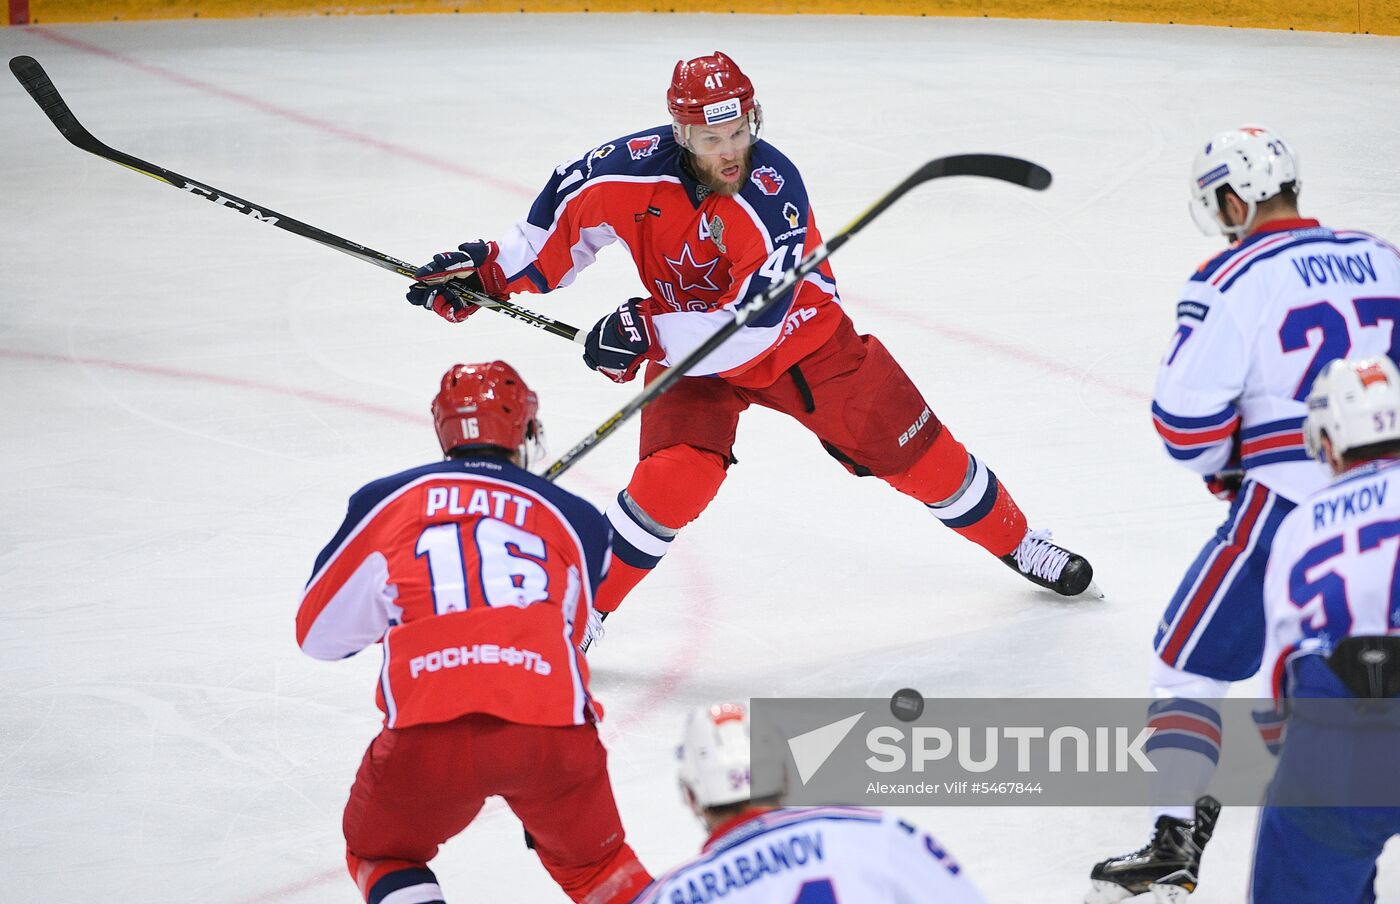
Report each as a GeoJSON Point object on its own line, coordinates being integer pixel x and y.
{"type": "Point", "coordinates": [1354, 403]}
{"type": "Point", "coordinates": [1253, 161]}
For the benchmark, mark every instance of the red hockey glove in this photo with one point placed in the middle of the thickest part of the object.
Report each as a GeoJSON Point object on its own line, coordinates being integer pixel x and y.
{"type": "Point", "coordinates": [619, 343]}
{"type": "Point", "coordinates": [1225, 484]}
{"type": "Point", "coordinates": [473, 266]}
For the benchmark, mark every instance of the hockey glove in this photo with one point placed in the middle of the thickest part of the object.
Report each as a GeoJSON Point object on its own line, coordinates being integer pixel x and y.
{"type": "Point", "coordinates": [473, 267]}
{"type": "Point", "coordinates": [619, 343]}
{"type": "Point", "coordinates": [1225, 484]}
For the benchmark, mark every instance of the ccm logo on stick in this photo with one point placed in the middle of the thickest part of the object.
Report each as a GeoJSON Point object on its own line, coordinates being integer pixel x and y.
{"type": "Point", "coordinates": [211, 195]}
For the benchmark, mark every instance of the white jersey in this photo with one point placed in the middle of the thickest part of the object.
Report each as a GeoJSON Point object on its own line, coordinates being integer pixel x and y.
{"type": "Point", "coordinates": [1255, 325]}
{"type": "Point", "coordinates": [816, 856]}
{"type": "Point", "coordinates": [1332, 570]}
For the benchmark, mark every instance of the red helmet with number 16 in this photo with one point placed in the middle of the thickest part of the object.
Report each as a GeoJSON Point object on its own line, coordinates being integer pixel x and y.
{"type": "Point", "coordinates": [486, 405]}
{"type": "Point", "coordinates": [708, 91]}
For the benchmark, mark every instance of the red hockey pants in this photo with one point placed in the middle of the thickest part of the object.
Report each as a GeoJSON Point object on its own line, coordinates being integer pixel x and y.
{"type": "Point", "coordinates": [861, 406]}
{"type": "Point", "coordinates": [421, 785]}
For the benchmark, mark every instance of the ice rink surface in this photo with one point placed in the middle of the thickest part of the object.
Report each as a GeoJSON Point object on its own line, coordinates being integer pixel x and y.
{"type": "Point", "coordinates": [188, 397]}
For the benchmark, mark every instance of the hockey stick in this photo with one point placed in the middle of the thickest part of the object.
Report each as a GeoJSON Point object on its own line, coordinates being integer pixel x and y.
{"type": "Point", "coordinates": [36, 81]}
{"type": "Point", "coordinates": [988, 166]}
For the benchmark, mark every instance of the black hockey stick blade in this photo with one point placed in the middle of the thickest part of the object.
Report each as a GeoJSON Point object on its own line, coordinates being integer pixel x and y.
{"type": "Point", "coordinates": [40, 87]}
{"type": "Point", "coordinates": [37, 82]}
{"type": "Point", "coordinates": [990, 166]}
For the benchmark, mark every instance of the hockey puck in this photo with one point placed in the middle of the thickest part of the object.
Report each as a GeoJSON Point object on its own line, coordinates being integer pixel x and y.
{"type": "Point", "coordinates": [907, 704]}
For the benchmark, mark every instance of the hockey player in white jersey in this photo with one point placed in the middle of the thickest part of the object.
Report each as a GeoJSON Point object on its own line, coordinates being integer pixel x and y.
{"type": "Point", "coordinates": [1255, 325]}
{"type": "Point", "coordinates": [1333, 621]}
{"type": "Point", "coordinates": [761, 853]}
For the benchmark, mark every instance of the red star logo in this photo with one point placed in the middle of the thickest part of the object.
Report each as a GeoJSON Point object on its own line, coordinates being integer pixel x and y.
{"type": "Point", "coordinates": [691, 275]}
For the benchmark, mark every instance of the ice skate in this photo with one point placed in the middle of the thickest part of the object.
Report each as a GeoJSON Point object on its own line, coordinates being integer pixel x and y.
{"type": "Point", "coordinates": [1052, 567]}
{"type": "Point", "coordinates": [1167, 867]}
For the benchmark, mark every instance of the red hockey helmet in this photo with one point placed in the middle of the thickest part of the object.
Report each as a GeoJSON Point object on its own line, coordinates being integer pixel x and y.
{"type": "Point", "coordinates": [486, 405]}
{"type": "Point", "coordinates": [708, 91]}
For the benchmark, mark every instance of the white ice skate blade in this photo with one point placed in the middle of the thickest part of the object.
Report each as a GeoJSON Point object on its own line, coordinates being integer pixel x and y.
{"type": "Point", "coordinates": [1093, 591]}
{"type": "Point", "coordinates": [1106, 893]}
{"type": "Point", "coordinates": [1168, 894]}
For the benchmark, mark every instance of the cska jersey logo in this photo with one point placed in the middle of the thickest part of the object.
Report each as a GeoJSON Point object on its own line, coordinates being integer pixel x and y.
{"type": "Point", "coordinates": [690, 275]}
{"type": "Point", "coordinates": [767, 179]}
{"type": "Point", "coordinates": [642, 147]}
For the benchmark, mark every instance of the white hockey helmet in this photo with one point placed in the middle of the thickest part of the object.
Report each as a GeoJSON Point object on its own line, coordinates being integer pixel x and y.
{"type": "Point", "coordinates": [1355, 402]}
{"type": "Point", "coordinates": [714, 755]}
{"type": "Point", "coordinates": [1253, 161]}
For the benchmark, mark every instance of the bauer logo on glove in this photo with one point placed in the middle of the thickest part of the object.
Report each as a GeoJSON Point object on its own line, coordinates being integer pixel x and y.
{"type": "Point", "coordinates": [619, 343]}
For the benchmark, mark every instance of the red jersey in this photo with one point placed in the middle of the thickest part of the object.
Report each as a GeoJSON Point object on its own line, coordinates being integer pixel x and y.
{"type": "Point", "coordinates": [478, 577]}
{"type": "Point", "coordinates": [697, 253]}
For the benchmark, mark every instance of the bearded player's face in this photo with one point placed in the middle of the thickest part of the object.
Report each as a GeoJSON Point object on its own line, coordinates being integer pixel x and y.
{"type": "Point", "coordinates": [721, 155]}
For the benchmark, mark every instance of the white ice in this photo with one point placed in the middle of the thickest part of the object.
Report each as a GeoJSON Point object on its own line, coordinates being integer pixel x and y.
{"type": "Point", "coordinates": [188, 397]}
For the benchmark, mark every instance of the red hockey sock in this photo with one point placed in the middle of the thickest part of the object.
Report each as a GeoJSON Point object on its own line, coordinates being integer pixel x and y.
{"type": "Point", "coordinates": [619, 582]}
{"type": "Point", "coordinates": [669, 489]}
{"type": "Point", "coordinates": [965, 495]}
{"type": "Point", "coordinates": [399, 874]}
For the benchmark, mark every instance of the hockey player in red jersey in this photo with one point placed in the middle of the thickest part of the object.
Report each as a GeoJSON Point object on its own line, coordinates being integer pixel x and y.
{"type": "Point", "coordinates": [761, 853]}
{"type": "Point", "coordinates": [478, 578]}
{"type": "Point", "coordinates": [713, 216]}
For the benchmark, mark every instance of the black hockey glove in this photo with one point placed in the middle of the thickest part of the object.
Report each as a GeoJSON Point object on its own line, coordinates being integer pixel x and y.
{"type": "Point", "coordinates": [1225, 484]}
{"type": "Point", "coordinates": [473, 266]}
{"type": "Point", "coordinates": [619, 343]}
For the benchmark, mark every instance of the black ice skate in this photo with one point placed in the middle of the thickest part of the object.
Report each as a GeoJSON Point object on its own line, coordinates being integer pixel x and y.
{"type": "Point", "coordinates": [1055, 568]}
{"type": "Point", "coordinates": [1167, 867]}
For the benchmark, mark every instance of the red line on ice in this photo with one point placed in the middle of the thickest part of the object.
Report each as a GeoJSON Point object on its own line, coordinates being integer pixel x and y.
{"type": "Point", "coordinates": [312, 122]}
{"type": "Point", "coordinates": [176, 373]}
{"type": "Point", "coordinates": [1017, 353]}
{"type": "Point", "coordinates": [681, 665]}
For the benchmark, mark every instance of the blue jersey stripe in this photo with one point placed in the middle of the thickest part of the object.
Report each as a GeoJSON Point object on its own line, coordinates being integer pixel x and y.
{"type": "Point", "coordinates": [785, 821]}
{"type": "Point", "coordinates": [1286, 425]}
{"type": "Point", "coordinates": [756, 828]}
{"type": "Point", "coordinates": [532, 273]}
{"type": "Point", "coordinates": [1286, 246]}
{"type": "Point", "coordinates": [1211, 267]}
{"type": "Point", "coordinates": [1369, 469]}
{"type": "Point", "coordinates": [1192, 423]}
{"type": "Point", "coordinates": [1187, 454]}
{"type": "Point", "coordinates": [1274, 457]}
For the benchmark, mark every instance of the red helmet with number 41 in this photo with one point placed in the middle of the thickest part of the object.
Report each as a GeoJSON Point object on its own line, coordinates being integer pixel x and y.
{"type": "Point", "coordinates": [486, 405]}
{"type": "Point", "coordinates": [709, 91]}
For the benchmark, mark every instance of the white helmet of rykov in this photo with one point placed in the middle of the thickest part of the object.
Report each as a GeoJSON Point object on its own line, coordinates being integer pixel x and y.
{"type": "Point", "coordinates": [1253, 161]}
{"type": "Point", "coordinates": [1354, 403]}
